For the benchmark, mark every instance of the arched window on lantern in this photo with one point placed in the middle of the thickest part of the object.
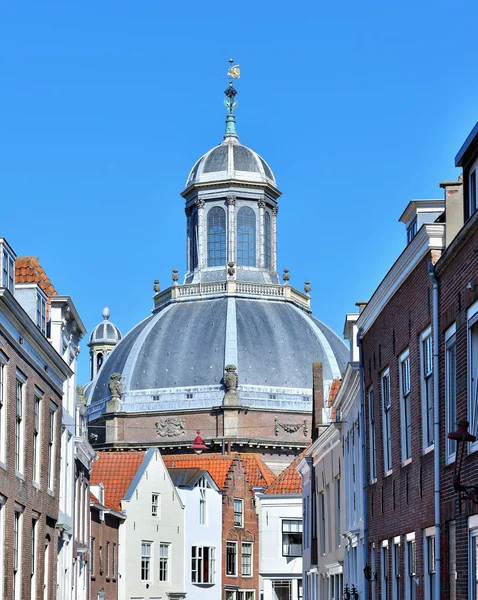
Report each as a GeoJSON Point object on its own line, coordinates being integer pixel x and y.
{"type": "Point", "coordinates": [216, 237]}
{"type": "Point", "coordinates": [246, 237]}
{"type": "Point", "coordinates": [267, 240]}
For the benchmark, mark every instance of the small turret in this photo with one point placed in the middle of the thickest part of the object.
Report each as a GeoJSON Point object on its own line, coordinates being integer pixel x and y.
{"type": "Point", "coordinates": [103, 339]}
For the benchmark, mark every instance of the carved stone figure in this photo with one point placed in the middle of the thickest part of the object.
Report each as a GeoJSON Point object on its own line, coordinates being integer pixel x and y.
{"type": "Point", "coordinates": [231, 380]}
{"type": "Point", "coordinates": [115, 386]}
{"type": "Point", "coordinates": [170, 427]}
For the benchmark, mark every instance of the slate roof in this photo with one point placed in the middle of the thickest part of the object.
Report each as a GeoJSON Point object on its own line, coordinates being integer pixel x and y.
{"type": "Point", "coordinates": [29, 270]}
{"type": "Point", "coordinates": [218, 465]}
{"type": "Point", "coordinates": [116, 470]}
{"type": "Point", "coordinates": [289, 481]}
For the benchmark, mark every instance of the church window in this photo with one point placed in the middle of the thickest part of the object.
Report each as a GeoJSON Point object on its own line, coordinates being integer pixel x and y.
{"type": "Point", "coordinates": [267, 240]}
{"type": "Point", "coordinates": [99, 361]}
{"type": "Point", "coordinates": [216, 237]}
{"type": "Point", "coordinates": [246, 237]}
{"type": "Point", "coordinates": [194, 241]}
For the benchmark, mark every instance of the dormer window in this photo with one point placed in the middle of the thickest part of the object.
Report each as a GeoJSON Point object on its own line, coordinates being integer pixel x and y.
{"type": "Point", "coordinates": [41, 312]}
{"type": "Point", "coordinates": [8, 270]}
{"type": "Point", "coordinates": [412, 230]}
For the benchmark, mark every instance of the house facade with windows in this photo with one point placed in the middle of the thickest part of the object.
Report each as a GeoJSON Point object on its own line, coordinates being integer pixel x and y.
{"type": "Point", "coordinates": [151, 553]}
{"type": "Point", "coordinates": [396, 336]}
{"type": "Point", "coordinates": [457, 277]}
{"type": "Point", "coordinates": [32, 376]}
{"type": "Point", "coordinates": [202, 500]}
{"type": "Point", "coordinates": [280, 532]}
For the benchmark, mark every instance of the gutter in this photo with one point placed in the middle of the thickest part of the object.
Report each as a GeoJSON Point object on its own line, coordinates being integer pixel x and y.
{"type": "Point", "coordinates": [364, 461]}
{"type": "Point", "coordinates": [436, 428]}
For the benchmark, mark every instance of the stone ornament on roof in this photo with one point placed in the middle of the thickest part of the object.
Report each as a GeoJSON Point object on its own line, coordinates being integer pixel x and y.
{"type": "Point", "coordinates": [231, 379]}
{"type": "Point", "coordinates": [115, 386]}
{"type": "Point", "coordinates": [170, 427]}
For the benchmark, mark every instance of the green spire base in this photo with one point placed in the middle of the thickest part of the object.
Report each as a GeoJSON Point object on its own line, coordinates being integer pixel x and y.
{"type": "Point", "coordinates": [230, 125]}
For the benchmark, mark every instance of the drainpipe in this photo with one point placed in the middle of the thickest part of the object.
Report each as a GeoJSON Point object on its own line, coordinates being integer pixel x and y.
{"type": "Point", "coordinates": [364, 460]}
{"type": "Point", "coordinates": [436, 428]}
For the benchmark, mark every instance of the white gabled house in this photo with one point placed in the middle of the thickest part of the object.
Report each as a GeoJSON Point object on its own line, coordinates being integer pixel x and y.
{"type": "Point", "coordinates": [203, 532]}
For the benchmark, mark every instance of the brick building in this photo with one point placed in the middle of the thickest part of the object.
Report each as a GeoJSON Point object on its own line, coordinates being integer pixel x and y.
{"type": "Point", "coordinates": [32, 375]}
{"type": "Point", "coordinates": [397, 351]}
{"type": "Point", "coordinates": [457, 276]}
{"type": "Point", "coordinates": [238, 475]}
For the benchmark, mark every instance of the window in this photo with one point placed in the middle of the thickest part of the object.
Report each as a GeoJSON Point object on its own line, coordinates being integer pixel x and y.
{"type": "Point", "coordinates": [372, 439]}
{"type": "Point", "coordinates": [387, 421]}
{"type": "Point", "coordinates": [410, 568]}
{"type": "Point", "coordinates": [33, 559]}
{"type": "Point", "coordinates": [41, 313]}
{"type": "Point", "coordinates": [246, 559]}
{"type": "Point", "coordinates": [396, 569]}
{"type": "Point", "coordinates": [291, 537]}
{"type": "Point", "coordinates": [282, 589]}
{"type": "Point", "coordinates": [155, 504]}
{"type": "Point", "coordinates": [238, 512]}
{"type": "Point", "coordinates": [473, 370]}
{"type": "Point", "coordinates": [405, 414]}
{"type": "Point", "coordinates": [384, 570]}
{"type": "Point", "coordinates": [146, 561]}
{"type": "Point", "coordinates": [51, 445]}
{"type": "Point", "coordinates": [323, 549]}
{"type": "Point", "coordinates": [203, 564]}
{"type": "Point", "coordinates": [19, 425]}
{"type": "Point", "coordinates": [472, 192]}
{"type": "Point", "coordinates": [267, 240]}
{"type": "Point", "coordinates": [36, 437]}
{"type": "Point", "coordinates": [426, 357]}
{"type": "Point", "coordinates": [92, 557]}
{"type": "Point", "coordinates": [246, 237]}
{"type": "Point", "coordinates": [202, 506]}
{"type": "Point", "coordinates": [163, 562]}
{"type": "Point", "coordinates": [113, 562]}
{"type": "Point", "coordinates": [245, 595]}
{"type": "Point", "coordinates": [3, 399]}
{"type": "Point", "coordinates": [17, 551]}
{"type": "Point", "coordinates": [450, 392]}
{"type": "Point", "coordinates": [107, 559]}
{"type": "Point", "coordinates": [412, 230]}
{"type": "Point", "coordinates": [216, 237]}
{"type": "Point", "coordinates": [231, 558]}
{"type": "Point", "coordinates": [194, 242]}
{"type": "Point", "coordinates": [430, 565]}
{"type": "Point", "coordinates": [8, 271]}
{"type": "Point", "coordinates": [338, 537]}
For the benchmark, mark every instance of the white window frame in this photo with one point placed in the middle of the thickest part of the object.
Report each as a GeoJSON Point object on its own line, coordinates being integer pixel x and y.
{"type": "Point", "coordinates": [8, 270]}
{"type": "Point", "coordinates": [386, 420]}
{"type": "Point", "coordinates": [243, 574]}
{"type": "Point", "coordinates": [146, 560]}
{"type": "Point", "coordinates": [197, 558]}
{"type": "Point", "coordinates": [20, 385]}
{"type": "Point", "coordinates": [372, 436]}
{"type": "Point", "coordinates": [426, 387]}
{"type": "Point", "coordinates": [3, 405]}
{"type": "Point", "coordinates": [396, 552]}
{"type": "Point", "coordinates": [241, 504]}
{"type": "Point", "coordinates": [2, 544]}
{"type": "Point", "coordinates": [285, 531]}
{"type": "Point", "coordinates": [410, 578]}
{"type": "Point", "coordinates": [52, 417]}
{"type": "Point", "coordinates": [17, 552]}
{"type": "Point", "coordinates": [164, 562]}
{"type": "Point", "coordinates": [405, 407]}
{"type": "Point", "coordinates": [384, 564]}
{"type": "Point", "coordinates": [429, 562]}
{"type": "Point", "coordinates": [156, 505]}
{"type": "Point", "coordinates": [472, 363]}
{"type": "Point", "coordinates": [450, 392]}
{"type": "Point", "coordinates": [92, 557]}
{"type": "Point", "coordinates": [41, 310]}
{"type": "Point", "coordinates": [34, 558]}
{"type": "Point", "coordinates": [37, 432]}
{"type": "Point", "coordinates": [230, 544]}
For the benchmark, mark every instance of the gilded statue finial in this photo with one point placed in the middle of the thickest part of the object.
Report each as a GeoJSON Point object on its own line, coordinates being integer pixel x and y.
{"type": "Point", "coordinates": [230, 102]}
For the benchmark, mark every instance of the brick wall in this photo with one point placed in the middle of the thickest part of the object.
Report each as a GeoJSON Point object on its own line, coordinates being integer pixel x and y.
{"type": "Point", "coordinates": [104, 578]}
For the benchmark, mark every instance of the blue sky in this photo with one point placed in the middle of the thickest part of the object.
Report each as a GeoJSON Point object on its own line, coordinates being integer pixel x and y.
{"type": "Point", "coordinates": [104, 107]}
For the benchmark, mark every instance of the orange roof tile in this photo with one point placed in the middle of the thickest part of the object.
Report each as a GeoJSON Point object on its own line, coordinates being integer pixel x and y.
{"type": "Point", "coordinates": [289, 481]}
{"type": "Point", "coordinates": [29, 270]}
{"type": "Point", "coordinates": [116, 470]}
{"type": "Point", "coordinates": [334, 388]}
{"type": "Point", "coordinates": [218, 465]}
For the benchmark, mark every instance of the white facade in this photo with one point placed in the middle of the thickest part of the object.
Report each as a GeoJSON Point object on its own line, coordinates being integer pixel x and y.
{"type": "Point", "coordinates": [151, 540]}
{"type": "Point", "coordinates": [203, 537]}
{"type": "Point", "coordinates": [280, 560]}
{"type": "Point", "coordinates": [348, 404]}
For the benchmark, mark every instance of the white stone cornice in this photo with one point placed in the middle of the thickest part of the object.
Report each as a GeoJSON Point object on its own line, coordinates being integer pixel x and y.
{"type": "Point", "coordinates": [429, 237]}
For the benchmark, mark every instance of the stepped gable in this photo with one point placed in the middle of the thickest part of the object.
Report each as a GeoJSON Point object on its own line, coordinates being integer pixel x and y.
{"type": "Point", "coordinates": [116, 470]}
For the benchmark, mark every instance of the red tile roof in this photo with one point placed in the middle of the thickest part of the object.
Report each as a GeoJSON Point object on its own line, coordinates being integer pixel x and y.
{"type": "Point", "coordinates": [334, 389]}
{"type": "Point", "coordinates": [29, 270]}
{"type": "Point", "coordinates": [289, 481]}
{"type": "Point", "coordinates": [218, 465]}
{"type": "Point", "coordinates": [116, 470]}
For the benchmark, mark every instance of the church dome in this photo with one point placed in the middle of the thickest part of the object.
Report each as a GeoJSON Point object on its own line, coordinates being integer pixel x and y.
{"type": "Point", "coordinates": [105, 332]}
{"type": "Point", "coordinates": [231, 160]}
{"type": "Point", "coordinates": [273, 344]}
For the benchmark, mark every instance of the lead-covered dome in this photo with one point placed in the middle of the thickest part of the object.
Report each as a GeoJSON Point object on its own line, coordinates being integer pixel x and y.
{"type": "Point", "coordinates": [105, 332]}
{"type": "Point", "coordinates": [231, 160]}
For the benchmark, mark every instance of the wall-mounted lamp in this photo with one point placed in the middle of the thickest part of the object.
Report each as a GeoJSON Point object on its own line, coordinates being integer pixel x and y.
{"type": "Point", "coordinates": [462, 436]}
{"type": "Point", "coordinates": [367, 572]}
